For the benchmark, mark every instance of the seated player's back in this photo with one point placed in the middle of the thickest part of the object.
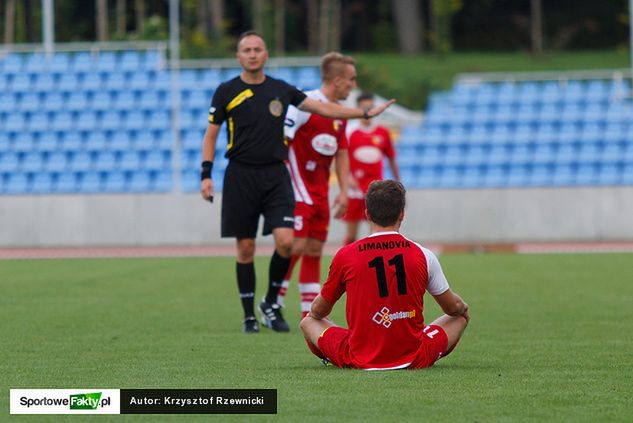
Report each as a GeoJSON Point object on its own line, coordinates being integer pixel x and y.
{"type": "Point", "coordinates": [385, 276]}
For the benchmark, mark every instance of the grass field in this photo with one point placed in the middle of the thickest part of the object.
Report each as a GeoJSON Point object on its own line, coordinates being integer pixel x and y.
{"type": "Point", "coordinates": [550, 340]}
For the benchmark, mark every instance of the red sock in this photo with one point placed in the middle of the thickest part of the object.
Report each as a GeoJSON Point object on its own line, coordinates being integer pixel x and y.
{"type": "Point", "coordinates": [309, 277]}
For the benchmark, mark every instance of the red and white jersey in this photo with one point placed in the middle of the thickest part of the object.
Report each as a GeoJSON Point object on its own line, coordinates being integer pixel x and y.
{"type": "Point", "coordinates": [368, 146]}
{"type": "Point", "coordinates": [385, 276]}
{"type": "Point", "coordinates": [313, 142]}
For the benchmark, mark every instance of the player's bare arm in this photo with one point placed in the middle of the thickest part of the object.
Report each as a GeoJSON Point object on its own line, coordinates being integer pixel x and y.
{"type": "Point", "coordinates": [336, 111]}
{"type": "Point", "coordinates": [452, 304]}
{"type": "Point", "coordinates": [320, 308]}
{"type": "Point", "coordinates": [342, 174]}
{"type": "Point", "coordinates": [208, 153]}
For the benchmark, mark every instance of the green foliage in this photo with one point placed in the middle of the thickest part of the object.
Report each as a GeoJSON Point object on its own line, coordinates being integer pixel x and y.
{"type": "Point", "coordinates": [548, 341]}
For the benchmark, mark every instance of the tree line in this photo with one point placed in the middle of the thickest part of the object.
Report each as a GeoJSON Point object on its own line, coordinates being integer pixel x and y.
{"type": "Point", "coordinates": [210, 27]}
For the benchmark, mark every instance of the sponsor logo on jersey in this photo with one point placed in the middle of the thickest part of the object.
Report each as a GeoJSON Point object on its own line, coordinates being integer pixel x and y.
{"type": "Point", "coordinates": [368, 154]}
{"type": "Point", "coordinates": [385, 317]}
{"type": "Point", "coordinates": [325, 144]}
{"type": "Point", "coordinates": [275, 108]}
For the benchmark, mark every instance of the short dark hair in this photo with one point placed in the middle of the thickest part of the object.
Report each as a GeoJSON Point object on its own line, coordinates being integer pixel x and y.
{"type": "Point", "coordinates": [333, 64]}
{"type": "Point", "coordinates": [364, 96]}
{"type": "Point", "coordinates": [249, 33]}
{"type": "Point", "coordinates": [385, 200]}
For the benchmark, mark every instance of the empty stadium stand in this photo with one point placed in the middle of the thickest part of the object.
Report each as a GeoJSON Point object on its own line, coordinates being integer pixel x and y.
{"type": "Point", "coordinates": [101, 122]}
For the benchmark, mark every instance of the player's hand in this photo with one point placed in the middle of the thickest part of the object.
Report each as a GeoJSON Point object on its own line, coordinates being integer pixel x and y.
{"type": "Point", "coordinates": [340, 205]}
{"type": "Point", "coordinates": [206, 189]}
{"type": "Point", "coordinates": [379, 109]}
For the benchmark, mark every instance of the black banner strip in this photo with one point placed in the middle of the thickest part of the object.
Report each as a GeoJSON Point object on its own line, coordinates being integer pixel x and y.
{"type": "Point", "coordinates": [198, 401]}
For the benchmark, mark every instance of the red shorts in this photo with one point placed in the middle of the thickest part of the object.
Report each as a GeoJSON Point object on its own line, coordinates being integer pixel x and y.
{"type": "Point", "coordinates": [312, 221]}
{"type": "Point", "coordinates": [334, 344]}
{"type": "Point", "coordinates": [355, 210]}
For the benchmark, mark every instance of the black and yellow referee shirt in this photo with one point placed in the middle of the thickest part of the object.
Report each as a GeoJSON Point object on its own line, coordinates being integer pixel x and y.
{"type": "Point", "coordinates": [255, 117]}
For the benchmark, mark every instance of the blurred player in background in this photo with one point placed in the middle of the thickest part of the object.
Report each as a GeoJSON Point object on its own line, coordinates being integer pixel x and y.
{"type": "Point", "coordinates": [369, 144]}
{"type": "Point", "coordinates": [256, 181]}
{"type": "Point", "coordinates": [385, 276]}
{"type": "Point", "coordinates": [315, 141]}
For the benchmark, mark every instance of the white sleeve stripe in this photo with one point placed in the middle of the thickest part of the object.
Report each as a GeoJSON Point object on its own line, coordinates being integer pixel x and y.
{"type": "Point", "coordinates": [437, 283]}
{"type": "Point", "coordinates": [302, 191]}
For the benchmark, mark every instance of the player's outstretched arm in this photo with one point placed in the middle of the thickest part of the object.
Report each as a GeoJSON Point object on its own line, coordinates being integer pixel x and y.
{"type": "Point", "coordinates": [208, 154]}
{"type": "Point", "coordinates": [336, 111]}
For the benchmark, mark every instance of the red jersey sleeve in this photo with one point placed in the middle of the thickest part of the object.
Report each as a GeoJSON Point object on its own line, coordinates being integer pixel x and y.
{"type": "Point", "coordinates": [334, 286]}
{"type": "Point", "coordinates": [388, 149]}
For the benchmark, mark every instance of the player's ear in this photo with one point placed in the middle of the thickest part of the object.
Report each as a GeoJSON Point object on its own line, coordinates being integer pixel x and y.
{"type": "Point", "coordinates": [367, 215]}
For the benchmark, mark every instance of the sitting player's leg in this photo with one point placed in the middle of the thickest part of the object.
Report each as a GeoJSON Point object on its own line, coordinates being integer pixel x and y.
{"type": "Point", "coordinates": [312, 330]}
{"type": "Point", "coordinates": [454, 327]}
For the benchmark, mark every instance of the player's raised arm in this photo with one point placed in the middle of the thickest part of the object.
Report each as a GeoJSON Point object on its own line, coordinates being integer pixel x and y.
{"type": "Point", "coordinates": [208, 153]}
{"type": "Point", "coordinates": [334, 110]}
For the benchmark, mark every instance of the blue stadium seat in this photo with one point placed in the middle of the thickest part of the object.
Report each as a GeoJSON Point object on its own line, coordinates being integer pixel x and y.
{"type": "Point", "coordinates": [89, 182]}
{"type": "Point", "coordinates": [47, 142]}
{"type": "Point", "coordinates": [611, 152]}
{"type": "Point", "coordinates": [17, 183]}
{"type": "Point", "coordinates": [56, 162]}
{"type": "Point", "coordinates": [42, 183]}
{"type": "Point", "coordinates": [65, 182]}
{"type": "Point", "coordinates": [96, 141]}
{"type": "Point", "coordinates": [472, 177]}
{"type": "Point", "coordinates": [189, 79]}
{"type": "Point", "coordinates": [210, 79]}
{"type": "Point", "coordinates": [540, 175]}
{"type": "Point", "coordinates": [68, 82]}
{"type": "Point", "coordinates": [566, 154]}
{"type": "Point", "coordinates": [518, 175]}
{"type": "Point", "coordinates": [563, 175]}
{"type": "Point", "coordinates": [5, 142]}
{"type": "Point", "coordinates": [115, 182]}
{"type": "Point", "coordinates": [9, 162]}
{"type": "Point", "coordinates": [105, 161]}
{"type": "Point", "coordinates": [159, 120]}
{"type": "Point", "coordinates": [139, 182]}
{"type": "Point", "coordinates": [130, 160]}
{"type": "Point", "coordinates": [15, 122]}
{"type": "Point", "coordinates": [59, 63]}
{"type": "Point", "coordinates": [8, 102]}
{"type": "Point", "coordinates": [82, 62]}
{"type": "Point", "coordinates": [626, 176]}
{"type": "Point", "coordinates": [70, 141]}
{"type": "Point", "coordinates": [144, 141]}
{"type": "Point", "coordinates": [163, 140]}
{"type": "Point", "coordinates": [283, 73]}
{"type": "Point", "coordinates": [116, 81]}
{"type": "Point", "coordinates": [52, 101]}
{"type": "Point", "coordinates": [111, 120]}
{"type": "Point", "coordinates": [101, 101]}
{"type": "Point", "coordinates": [13, 64]}
{"type": "Point", "coordinates": [44, 82]}
{"type": "Point", "coordinates": [86, 120]}
{"type": "Point", "coordinates": [81, 161]}
{"type": "Point", "coordinates": [24, 142]}
{"type": "Point", "coordinates": [152, 60]}
{"type": "Point", "coordinates": [156, 160]}
{"type": "Point", "coordinates": [29, 102]}
{"type": "Point", "coordinates": [90, 82]}
{"type": "Point", "coordinates": [308, 77]}
{"type": "Point", "coordinates": [134, 120]}
{"type": "Point", "coordinates": [125, 100]}
{"type": "Point", "coordinates": [35, 63]}
{"type": "Point", "coordinates": [130, 61]}
{"type": "Point", "coordinates": [106, 61]}
{"type": "Point", "coordinates": [162, 182]}
{"type": "Point", "coordinates": [162, 81]}
{"type": "Point", "coordinates": [608, 174]}
{"type": "Point", "coordinates": [32, 162]}
{"type": "Point", "coordinates": [120, 141]}
{"type": "Point", "coordinates": [77, 101]}
{"type": "Point", "coordinates": [150, 101]}
{"type": "Point", "coordinates": [586, 174]}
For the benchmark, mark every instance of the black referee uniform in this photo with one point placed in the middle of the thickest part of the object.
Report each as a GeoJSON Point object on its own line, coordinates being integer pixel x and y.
{"type": "Point", "coordinates": [256, 180]}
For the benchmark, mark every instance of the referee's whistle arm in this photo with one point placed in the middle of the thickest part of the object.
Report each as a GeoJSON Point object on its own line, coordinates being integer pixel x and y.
{"type": "Point", "coordinates": [206, 190]}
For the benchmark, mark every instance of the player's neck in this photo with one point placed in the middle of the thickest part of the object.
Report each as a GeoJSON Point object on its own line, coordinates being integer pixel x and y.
{"type": "Point", "coordinates": [377, 229]}
{"type": "Point", "coordinates": [253, 78]}
{"type": "Point", "coordinates": [328, 92]}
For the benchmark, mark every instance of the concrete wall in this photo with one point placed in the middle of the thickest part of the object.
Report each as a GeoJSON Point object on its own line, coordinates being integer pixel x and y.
{"type": "Point", "coordinates": [451, 216]}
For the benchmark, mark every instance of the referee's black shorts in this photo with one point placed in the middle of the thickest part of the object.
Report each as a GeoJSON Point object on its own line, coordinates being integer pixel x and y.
{"type": "Point", "coordinates": [250, 191]}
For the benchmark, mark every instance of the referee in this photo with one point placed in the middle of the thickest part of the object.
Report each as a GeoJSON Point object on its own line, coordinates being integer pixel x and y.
{"type": "Point", "coordinates": [256, 181]}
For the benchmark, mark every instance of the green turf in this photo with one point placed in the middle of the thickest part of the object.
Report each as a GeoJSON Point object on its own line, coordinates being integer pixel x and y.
{"type": "Point", "coordinates": [550, 340]}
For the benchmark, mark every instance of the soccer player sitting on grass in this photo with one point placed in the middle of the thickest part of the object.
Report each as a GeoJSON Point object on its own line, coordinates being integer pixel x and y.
{"type": "Point", "coordinates": [385, 276]}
